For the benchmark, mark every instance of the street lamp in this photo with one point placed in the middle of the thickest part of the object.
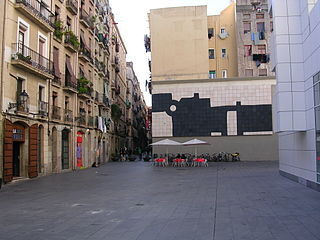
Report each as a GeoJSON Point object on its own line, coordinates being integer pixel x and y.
{"type": "Point", "coordinates": [23, 97]}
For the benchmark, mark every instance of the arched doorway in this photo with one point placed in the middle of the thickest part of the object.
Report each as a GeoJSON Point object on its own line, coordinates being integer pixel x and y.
{"type": "Point", "coordinates": [65, 149]}
{"type": "Point", "coordinates": [54, 144]}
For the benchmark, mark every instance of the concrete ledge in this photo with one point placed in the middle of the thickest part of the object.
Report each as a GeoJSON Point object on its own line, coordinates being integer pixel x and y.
{"type": "Point", "coordinates": [307, 183]}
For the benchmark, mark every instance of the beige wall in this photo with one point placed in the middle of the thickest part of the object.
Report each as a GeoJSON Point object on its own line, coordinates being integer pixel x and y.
{"type": "Point", "coordinates": [179, 43]}
{"type": "Point", "coordinates": [225, 20]}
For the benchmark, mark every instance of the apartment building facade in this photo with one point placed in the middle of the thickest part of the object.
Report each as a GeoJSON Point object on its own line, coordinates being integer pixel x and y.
{"type": "Point", "coordinates": [196, 90]}
{"type": "Point", "coordinates": [254, 27]}
{"type": "Point", "coordinates": [295, 44]}
{"type": "Point", "coordinates": [64, 66]}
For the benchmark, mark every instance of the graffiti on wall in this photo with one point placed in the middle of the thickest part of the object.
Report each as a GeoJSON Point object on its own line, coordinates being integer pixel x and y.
{"type": "Point", "coordinates": [195, 116]}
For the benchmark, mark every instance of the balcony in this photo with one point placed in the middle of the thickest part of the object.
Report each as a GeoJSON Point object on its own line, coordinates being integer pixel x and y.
{"type": "Point", "coordinates": [85, 54]}
{"type": "Point", "coordinates": [115, 61]}
{"type": "Point", "coordinates": [58, 30]}
{"type": "Point", "coordinates": [71, 41]}
{"type": "Point", "coordinates": [86, 19]}
{"type": "Point", "coordinates": [82, 119]}
{"type": "Point", "coordinates": [84, 88]}
{"type": "Point", "coordinates": [56, 81]}
{"type": "Point", "coordinates": [70, 85]}
{"type": "Point", "coordinates": [31, 61]}
{"type": "Point", "coordinates": [56, 113]}
{"type": "Point", "coordinates": [43, 109]}
{"type": "Point", "coordinates": [91, 121]}
{"type": "Point", "coordinates": [38, 12]}
{"type": "Point", "coordinates": [68, 116]}
{"type": "Point", "coordinates": [72, 6]}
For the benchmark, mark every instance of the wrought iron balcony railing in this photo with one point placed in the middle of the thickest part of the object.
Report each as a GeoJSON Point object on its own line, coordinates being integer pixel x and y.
{"type": "Point", "coordinates": [68, 115]}
{"type": "Point", "coordinates": [39, 9]}
{"type": "Point", "coordinates": [56, 113]}
{"type": "Point", "coordinates": [31, 57]}
{"type": "Point", "coordinates": [72, 5]}
{"type": "Point", "coordinates": [43, 108]}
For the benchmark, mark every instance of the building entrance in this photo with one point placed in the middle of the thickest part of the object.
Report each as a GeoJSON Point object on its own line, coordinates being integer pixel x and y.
{"type": "Point", "coordinates": [16, 159]}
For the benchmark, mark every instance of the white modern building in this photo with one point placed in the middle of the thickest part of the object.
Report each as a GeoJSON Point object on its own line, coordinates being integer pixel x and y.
{"type": "Point", "coordinates": [296, 61]}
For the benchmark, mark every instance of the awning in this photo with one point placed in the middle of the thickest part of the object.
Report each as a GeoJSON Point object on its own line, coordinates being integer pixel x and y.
{"type": "Point", "coordinates": [56, 63]}
{"type": "Point", "coordinates": [84, 41]}
{"type": "Point", "coordinates": [69, 68]}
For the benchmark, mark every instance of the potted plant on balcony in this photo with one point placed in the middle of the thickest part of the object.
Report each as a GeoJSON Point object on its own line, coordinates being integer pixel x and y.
{"type": "Point", "coordinates": [72, 39]}
{"type": "Point", "coordinates": [83, 85]}
{"type": "Point", "coordinates": [58, 29]}
{"type": "Point", "coordinates": [26, 59]}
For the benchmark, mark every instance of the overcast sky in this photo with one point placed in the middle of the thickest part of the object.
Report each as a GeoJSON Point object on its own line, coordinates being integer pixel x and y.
{"type": "Point", "coordinates": [132, 20]}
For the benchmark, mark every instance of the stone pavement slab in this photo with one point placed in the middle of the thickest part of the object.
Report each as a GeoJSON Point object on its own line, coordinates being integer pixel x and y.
{"type": "Point", "coordinates": [137, 201]}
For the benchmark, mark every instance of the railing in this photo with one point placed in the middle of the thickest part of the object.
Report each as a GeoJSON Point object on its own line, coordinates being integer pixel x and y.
{"type": "Point", "coordinates": [40, 9]}
{"type": "Point", "coordinates": [86, 18]}
{"type": "Point", "coordinates": [85, 52]}
{"type": "Point", "coordinates": [69, 83]}
{"type": "Point", "coordinates": [91, 121]}
{"type": "Point", "coordinates": [43, 108]}
{"type": "Point", "coordinates": [82, 118]}
{"type": "Point", "coordinates": [106, 100]}
{"type": "Point", "coordinates": [68, 115]}
{"type": "Point", "coordinates": [72, 5]}
{"type": "Point", "coordinates": [31, 57]}
{"type": "Point", "coordinates": [23, 106]}
{"type": "Point", "coordinates": [72, 39]}
{"type": "Point", "coordinates": [56, 80]}
{"type": "Point", "coordinates": [56, 113]}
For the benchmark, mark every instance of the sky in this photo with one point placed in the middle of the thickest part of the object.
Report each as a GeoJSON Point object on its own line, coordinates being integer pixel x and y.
{"type": "Point", "coordinates": [132, 19]}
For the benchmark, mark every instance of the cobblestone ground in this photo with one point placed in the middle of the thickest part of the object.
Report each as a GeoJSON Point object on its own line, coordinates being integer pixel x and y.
{"type": "Point", "coordinates": [135, 201]}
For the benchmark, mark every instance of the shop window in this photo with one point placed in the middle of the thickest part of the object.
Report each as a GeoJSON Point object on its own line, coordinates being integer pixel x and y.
{"type": "Point", "coordinates": [212, 74]}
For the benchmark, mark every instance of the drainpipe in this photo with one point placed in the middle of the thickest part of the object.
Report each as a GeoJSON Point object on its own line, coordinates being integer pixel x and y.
{"type": "Point", "coordinates": [2, 81]}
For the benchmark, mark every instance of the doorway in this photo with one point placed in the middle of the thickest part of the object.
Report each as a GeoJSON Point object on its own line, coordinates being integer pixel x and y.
{"type": "Point", "coordinates": [16, 159]}
{"type": "Point", "coordinates": [65, 149]}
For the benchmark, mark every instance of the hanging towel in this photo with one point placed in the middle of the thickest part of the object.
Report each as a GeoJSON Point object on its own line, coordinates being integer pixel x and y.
{"type": "Point", "coordinates": [252, 36]}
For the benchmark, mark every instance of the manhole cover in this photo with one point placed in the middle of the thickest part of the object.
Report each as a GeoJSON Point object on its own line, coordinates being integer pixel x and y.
{"type": "Point", "coordinates": [140, 204]}
{"type": "Point", "coordinates": [181, 169]}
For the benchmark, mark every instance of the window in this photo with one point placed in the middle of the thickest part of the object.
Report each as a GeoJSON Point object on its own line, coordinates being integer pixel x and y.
{"type": "Point", "coordinates": [224, 74]}
{"type": "Point", "coordinates": [260, 16]}
{"type": "Point", "coordinates": [211, 53]}
{"type": "Point", "coordinates": [66, 103]}
{"type": "Point", "coordinates": [249, 72]}
{"type": "Point", "coordinates": [246, 16]}
{"type": "Point", "coordinates": [263, 72]}
{"type": "Point", "coordinates": [260, 27]}
{"type": "Point", "coordinates": [246, 27]}
{"type": "Point", "coordinates": [57, 12]}
{"type": "Point", "coordinates": [20, 82]}
{"type": "Point", "coordinates": [54, 98]}
{"type": "Point", "coordinates": [41, 93]}
{"type": "Point", "coordinates": [210, 33]}
{"type": "Point", "coordinates": [212, 74]}
{"type": "Point", "coordinates": [261, 49]}
{"type": "Point", "coordinates": [247, 50]}
{"type": "Point", "coordinates": [271, 26]}
{"type": "Point", "coordinates": [223, 53]}
{"type": "Point", "coordinates": [222, 30]}
{"type": "Point", "coordinates": [69, 24]}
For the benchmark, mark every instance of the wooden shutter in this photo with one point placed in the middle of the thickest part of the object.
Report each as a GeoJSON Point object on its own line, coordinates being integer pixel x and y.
{"type": "Point", "coordinates": [33, 151]}
{"type": "Point", "coordinates": [8, 153]}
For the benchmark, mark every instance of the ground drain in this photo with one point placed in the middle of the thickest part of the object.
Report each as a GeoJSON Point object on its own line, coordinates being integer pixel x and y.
{"type": "Point", "coordinates": [139, 204]}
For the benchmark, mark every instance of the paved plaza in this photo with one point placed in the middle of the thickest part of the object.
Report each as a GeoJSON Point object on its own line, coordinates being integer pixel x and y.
{"type": "Point", "coordinates": [136, 201]}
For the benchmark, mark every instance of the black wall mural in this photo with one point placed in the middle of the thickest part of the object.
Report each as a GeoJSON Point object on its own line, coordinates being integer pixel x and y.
{"type": "Point", "coordinates": [195, 117]}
